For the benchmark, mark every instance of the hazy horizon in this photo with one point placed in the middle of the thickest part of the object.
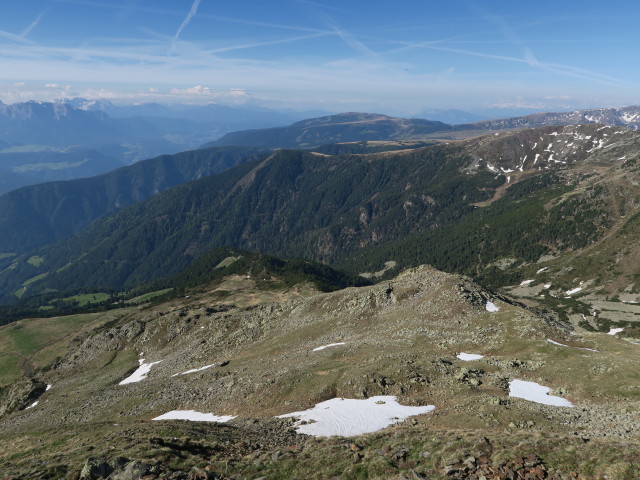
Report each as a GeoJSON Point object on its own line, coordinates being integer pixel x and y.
{"type": "Point", "coordinates": [306, 55]}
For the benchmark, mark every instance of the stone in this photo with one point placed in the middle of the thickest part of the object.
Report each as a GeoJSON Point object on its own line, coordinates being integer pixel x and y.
{"type": "Point", "coordinates": [94, 468]}
{"type": "Point", "coordinates": [470, 461]}
{"type": "Point", "coordinates": [131, 471]}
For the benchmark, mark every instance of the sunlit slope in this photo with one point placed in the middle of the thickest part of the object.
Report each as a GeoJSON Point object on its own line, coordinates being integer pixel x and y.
{"type": "Point", "coordinates": [412, 338]}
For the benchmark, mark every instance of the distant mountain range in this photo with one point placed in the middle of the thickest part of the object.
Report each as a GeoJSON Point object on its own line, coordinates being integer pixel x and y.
{"type": "Point", "coordinates": [225, 116]}
{"type": "Point", "coordinates": [624, 117]}
{"type": "Point", "coordinates": [76, 138]}
{"type": "Point", "coordinates": [345, 127]}
{"type": "Point", "coordinates": [353, 127]}
{"type": "Point", "coordinates": [59, 125]}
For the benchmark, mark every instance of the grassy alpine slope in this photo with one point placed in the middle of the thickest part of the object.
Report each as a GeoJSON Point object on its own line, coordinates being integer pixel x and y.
{"type": "Point", "coordinates": [259, 346]}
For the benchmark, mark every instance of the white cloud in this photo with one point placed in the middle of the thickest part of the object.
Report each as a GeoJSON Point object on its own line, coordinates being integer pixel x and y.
{"type": "Point", "coordinates": [233, 95]}
{"type": "Point", "coordinates": [197, 90]}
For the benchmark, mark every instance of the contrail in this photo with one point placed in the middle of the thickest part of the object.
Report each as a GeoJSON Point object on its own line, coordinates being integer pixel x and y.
{"type": "Point", "coordinates": [22, 37]}
{"type": "Point", "coordinates": [33, 25]}
{"type": "Point", "coordinates": [190, 15]}
{"type": "Point", "coordinates": [346, 37]}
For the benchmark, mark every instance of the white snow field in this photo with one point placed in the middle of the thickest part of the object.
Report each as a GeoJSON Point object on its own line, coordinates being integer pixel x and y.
{"type": "Point", "coordinates": [141, 373]}
{"type": "Point", "coordinates": [194, 416]}
{"type": "Point", "coordinates": [467, 357]}
{"type": "Point", "coordinates": [349, 417]}
{"type": "Point", "coordinates": [535, 392]}
{"type": "Point", "coordinates": [491, 307]}
{"type": "Point", "coordinates": [613, 331]}
{"type": "Point", "coordinates": [327, 346]}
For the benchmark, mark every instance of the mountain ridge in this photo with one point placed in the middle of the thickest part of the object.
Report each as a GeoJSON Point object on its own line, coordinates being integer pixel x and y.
{"type": "Point", "coordinates": [625, 116]}
{"type": "Point", "coordinates": [369, 126]}
{"type": "Point", "coordinates": [39, 214]}
{"type": "Point", "coordinates": [344, 127]}
{"type": "Point", "coordinates": [353, 203]}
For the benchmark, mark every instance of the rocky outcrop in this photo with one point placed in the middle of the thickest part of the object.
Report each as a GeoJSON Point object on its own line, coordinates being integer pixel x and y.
{"type": "Point", "coordinates": [20, 395]}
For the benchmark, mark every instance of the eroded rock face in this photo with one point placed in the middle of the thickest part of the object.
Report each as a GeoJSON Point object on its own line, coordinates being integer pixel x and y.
{"type": "Point", "coordinates": [20, 395]}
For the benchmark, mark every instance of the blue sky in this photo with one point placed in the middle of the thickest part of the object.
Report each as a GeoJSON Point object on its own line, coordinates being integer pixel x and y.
{"type": "Point", "coordinates": [395, 57]}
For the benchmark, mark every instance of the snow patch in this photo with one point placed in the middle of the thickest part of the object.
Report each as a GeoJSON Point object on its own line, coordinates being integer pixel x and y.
{"type": "Point", "coordinates": [542, 270]}
{"type": "Point", "coordinates": [467, 357]}
{"type": "Point", "coordinates": [348, 417]}
{"type": "Point", "coordinates": [573, 290]}
{"type": "Point", "coordinates": [613, 331]}
{"type": "Point", "coordinates": [193, 370]}
{"type": "Point", "coordinates": [491, 307]}
{"type": "Point", "coordinates": [327, 346]}
{"type": "Point", "coordinates": [596, 147]}
{"type": "Point", "coordinates": [32, 405]}
{"type": "Point", "coordinates": [563, 345]}
{"type": "Point", "coordinates": [534, 392]}
{"type": "Point", "coordinates": [194, 416]}
{"type": "Point", "coordinates": [525, 283]}
{"type": "Point", "coordinates": [141, 373]}
{"type": "Point", "coordinates": [48, 388]}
